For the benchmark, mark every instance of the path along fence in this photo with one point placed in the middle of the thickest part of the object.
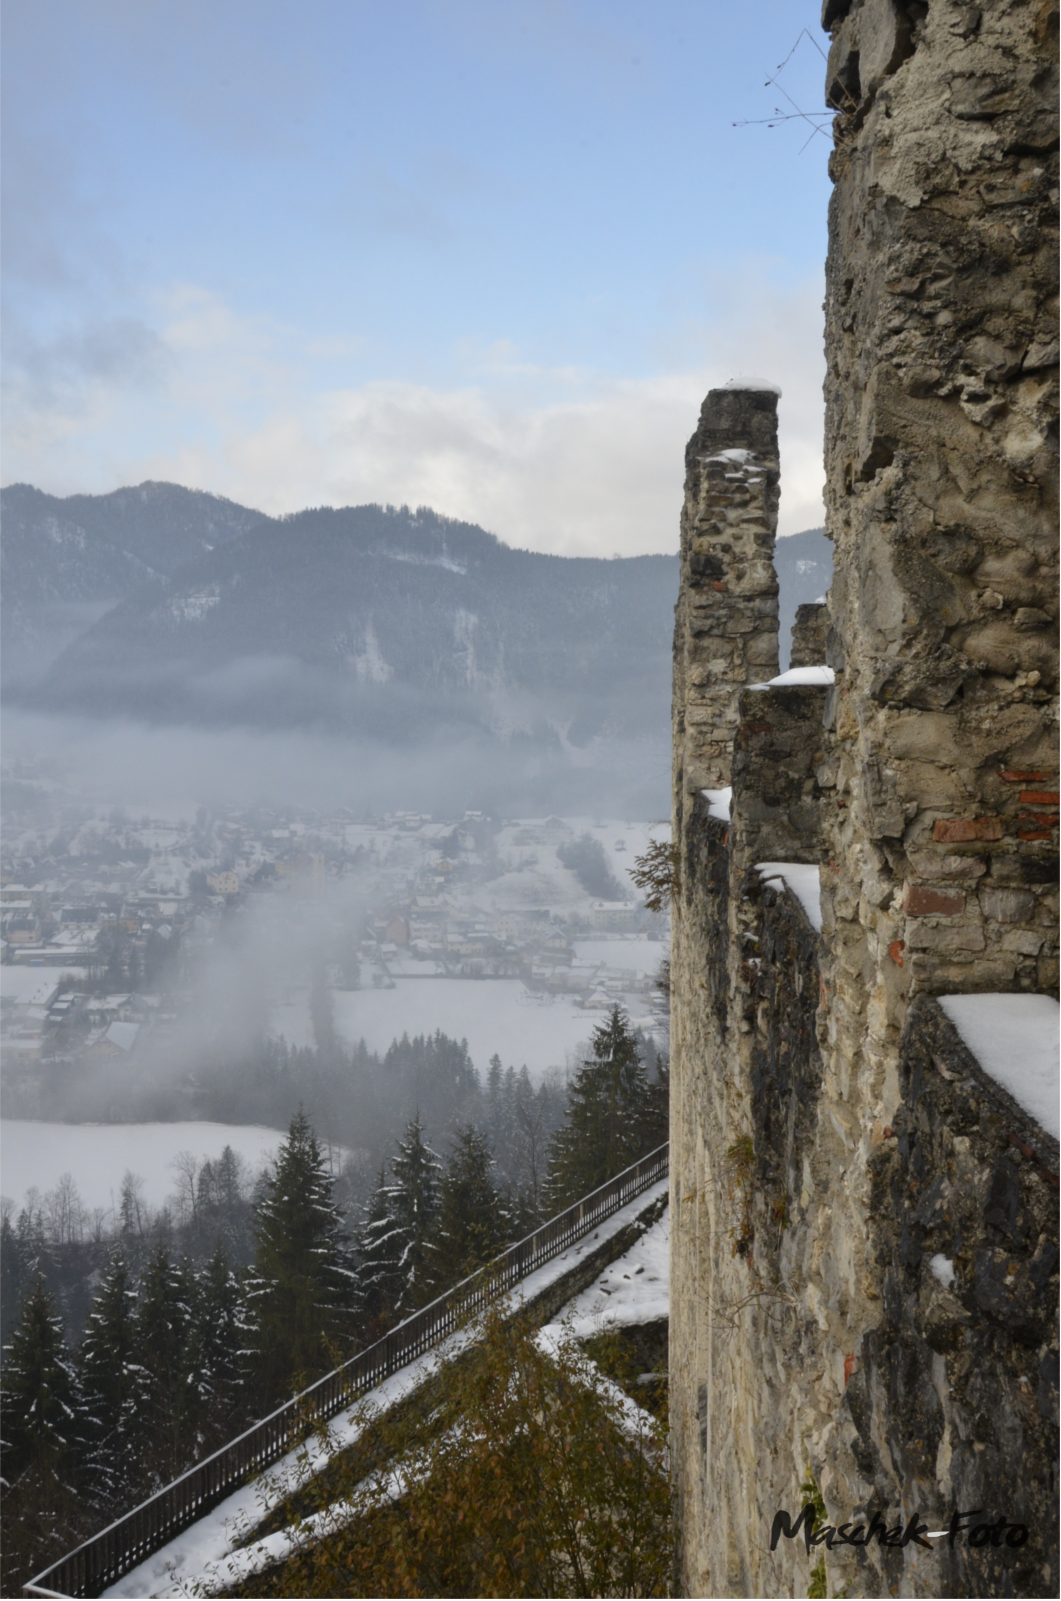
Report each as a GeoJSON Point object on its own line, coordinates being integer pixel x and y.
{"type": "Point", "coordinates": [101, 1561]}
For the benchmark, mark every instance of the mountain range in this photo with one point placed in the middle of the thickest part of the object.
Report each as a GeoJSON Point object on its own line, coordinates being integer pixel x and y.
{"type": "Point", "coordinates": [176, 606]}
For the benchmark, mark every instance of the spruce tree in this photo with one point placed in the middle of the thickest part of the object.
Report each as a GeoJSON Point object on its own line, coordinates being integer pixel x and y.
{"type": "Point", "coordinates": [163, 1412]}
{"type": "Point", "coordinates": [14, 1271]}
{"type": "Point", "coordinates": [379, 1254]}
{"type": "Point", "coordinates": [608, 1115]}
{"type": "Point", "coordinates": [473, 1218]}
{"type": "Point", "coordinates": [215, 1360]}
{"type": "Point", "coordinates": [301, 1290]}
{"type": "Point", "coordinates": [394, 1240]}
{"type": "Point", "coordinates": [42, 1512]}
{"type": "Point", "coordinates": [39, 1390]}
{"type": "Point", "coordinates": [110, 1387]}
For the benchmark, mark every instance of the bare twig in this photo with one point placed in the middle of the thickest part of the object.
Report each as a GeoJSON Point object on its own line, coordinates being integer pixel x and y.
{"type": "Point", "coordinates": [797, 114]}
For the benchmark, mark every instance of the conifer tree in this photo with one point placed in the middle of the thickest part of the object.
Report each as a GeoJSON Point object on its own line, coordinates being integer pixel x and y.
{"type": "Point", "coordinates": [608, 1115]}
{"type": "Point", "coordinates": [656, 1120]}
{"type": "Point", "coordinates": [39, 1390]}
{"type": "Point", "coordinates": [379, 1255]}
{"type": "Point", "coordinates": [302, 1286]}
{"type": "Point", "coordinates": [473, 1218]}
{"type": "Point", "coordinates": [394, 1241]}
{"type": "Point", "coordinates": [163, 1411]}
{"type": "Point", "coordinates": [110, 1385]}
{"type": "Point", "coordinates": [42, 1513]}
{"type": "Point", "coordinates": [215, 1358]}
{"type": "Point", "coordinates": [13, 1270]}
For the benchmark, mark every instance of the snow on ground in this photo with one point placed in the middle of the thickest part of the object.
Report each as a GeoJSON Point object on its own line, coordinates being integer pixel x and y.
{"type": "Point", "coordinates": [536, 876]}
{"type": "Point", "coordinates": [635, 1288]}
{"type": "Point", "coordinates": [802, 880]}
{"type": "Point", "coordinates": [200, 1559]}
{"type": "Point", "coordinates": [98, 1154]}
{"type": "Point", "coordinates": [492, 1014]}
{"type": "Point", "coordinates": [1015, 1039]}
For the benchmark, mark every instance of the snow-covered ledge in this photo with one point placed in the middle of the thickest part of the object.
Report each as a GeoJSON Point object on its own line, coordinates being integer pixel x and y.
{"type": "Point", "coordinates": [1016, 1039]}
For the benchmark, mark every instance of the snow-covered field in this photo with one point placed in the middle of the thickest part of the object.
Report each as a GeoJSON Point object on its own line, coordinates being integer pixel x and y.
{"type": "Point", "coordinates": [493, 1015]}
{"type": "Point", "coordinates": [98, 1154]}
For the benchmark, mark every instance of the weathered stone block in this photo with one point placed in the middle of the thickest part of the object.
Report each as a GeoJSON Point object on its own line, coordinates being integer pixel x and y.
{"type": "Point", "coordinates": [1006, 905]}
{"type": "Point", "coordinates": [928, 865]}
{"type": "Point", "coordinates": [945, 937]}
{"type": "Point", "coordinates": [809, 634]}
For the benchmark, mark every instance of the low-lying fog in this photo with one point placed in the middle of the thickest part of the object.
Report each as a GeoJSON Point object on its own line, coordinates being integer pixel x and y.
{"type": "Point", "coordinates": [204, 928]}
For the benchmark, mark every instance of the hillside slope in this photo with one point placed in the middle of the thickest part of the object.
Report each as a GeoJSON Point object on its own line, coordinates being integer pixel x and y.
{"type": "Point", "coordinates": [386, 621]}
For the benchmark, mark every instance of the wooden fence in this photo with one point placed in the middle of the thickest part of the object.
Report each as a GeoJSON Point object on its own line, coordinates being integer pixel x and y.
{"type": "Point", "coordinates": [101, 1561]}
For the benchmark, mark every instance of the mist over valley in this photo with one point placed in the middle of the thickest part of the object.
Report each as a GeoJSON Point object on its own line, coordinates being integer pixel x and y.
{"type": "Point", "coordinates": [333, 811]}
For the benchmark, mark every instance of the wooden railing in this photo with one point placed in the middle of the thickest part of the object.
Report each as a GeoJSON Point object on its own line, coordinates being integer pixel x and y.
{"type": "Point", "coordinates": [101, 1561]}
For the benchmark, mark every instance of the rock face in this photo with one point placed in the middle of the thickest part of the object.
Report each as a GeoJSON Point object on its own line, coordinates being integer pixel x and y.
{"type": "Point", "coordinates": [865, 1268]}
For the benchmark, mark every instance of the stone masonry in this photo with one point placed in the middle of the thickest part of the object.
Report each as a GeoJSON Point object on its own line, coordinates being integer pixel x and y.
{"type": "Point", "coordinates": [727, 605]}
{"type": "Point", "coordinates": [832, 1136]}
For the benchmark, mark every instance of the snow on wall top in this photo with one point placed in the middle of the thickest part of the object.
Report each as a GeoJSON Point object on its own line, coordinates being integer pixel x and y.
{"type": "Point", "coordinates": [799, 675]}
{"type": "Point", "coordinates": [1015, 1038]}
{"type": "Point", "coordinates": [753, 383]}
{"type": "Point", "coordinates": [719, 802]}
{"type": "Point", "coordinates": [802, 880]}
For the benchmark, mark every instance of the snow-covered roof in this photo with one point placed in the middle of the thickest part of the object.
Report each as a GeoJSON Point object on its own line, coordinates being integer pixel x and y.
{"type": "Point", "coordinates": [123, 1035]}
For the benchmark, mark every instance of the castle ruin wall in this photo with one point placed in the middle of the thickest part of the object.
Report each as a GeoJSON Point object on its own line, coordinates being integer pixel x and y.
{"type": "Point", "coordinates": [833, 1139]}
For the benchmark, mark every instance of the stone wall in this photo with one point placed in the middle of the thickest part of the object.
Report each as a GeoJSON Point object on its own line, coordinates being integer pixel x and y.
{"type": "Point", "coordinates": [830, 1134]}
{"type": "Point", "coordinates": [727, 600]}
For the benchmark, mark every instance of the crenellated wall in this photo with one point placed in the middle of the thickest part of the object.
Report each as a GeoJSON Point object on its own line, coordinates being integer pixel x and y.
{"type": "Point", "coordinates": [864, 1222]}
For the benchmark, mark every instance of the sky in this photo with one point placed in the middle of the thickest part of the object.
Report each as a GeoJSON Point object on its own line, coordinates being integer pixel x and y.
{"type": "Point", "coordinates": [481, 255]}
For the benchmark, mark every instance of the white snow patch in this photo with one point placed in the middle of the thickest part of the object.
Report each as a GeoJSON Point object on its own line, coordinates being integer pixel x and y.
{"type": "Point", "coordinates": [417, 560]}
{"type": "Point", "coordinates": [942, 1268]}
{"type": "Point", "coordinates": [754, 383]}
{"type": "Point", "coordinates": [635, 1288]}
{"type": "Point", "coordinates": [799, 675]}
{"type": "Point", "coordinates": [192, 608]}
{"type": "Point", "coordinates": [804, 882]}
{"type": "Point", "coordinates": [97, 1154]}
{"type": "Point", "coordinates": [370, 666]}
{"type": "Point", "coordinates": [1015, 1039]}
{"type": "Point", "coordinates": [719, 802]}
{"type": "Point", "coordinates": [736, 456]}
{"type": "Point", "coordinates": [196, 1561]}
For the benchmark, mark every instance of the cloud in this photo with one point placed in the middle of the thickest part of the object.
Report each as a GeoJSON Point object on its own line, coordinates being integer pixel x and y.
{"type": "Point", "coordinates": [562, 460]}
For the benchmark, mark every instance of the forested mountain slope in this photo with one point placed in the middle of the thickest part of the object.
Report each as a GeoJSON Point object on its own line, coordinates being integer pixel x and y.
{"type": "Point", "coordinates": [100, 547]}
{"type": "Point", "coordinates": [368, 619]}
{"type": "Point", "coordinates": [389, 622]}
